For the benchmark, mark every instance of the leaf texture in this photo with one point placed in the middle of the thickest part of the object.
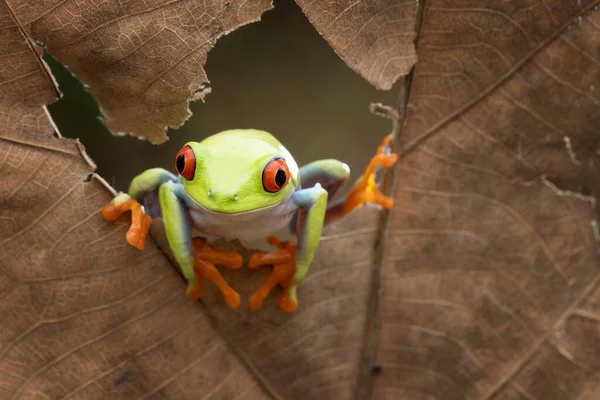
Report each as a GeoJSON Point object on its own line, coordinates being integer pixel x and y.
{"type": "Point", "coordinates": [491, 271]}
{"type": "Point", "coordinates": [142, 60]}
{"type": "Point", "coordinates": [316, 352]}
{"type": "Point", "coordinates": [84, 316]}
{"type": "Point", "coordinates": [375, 38]}
{"type": "Point", "coordinates": [24, 81]}
{"type": "Point", "coordinates": [490, 277]}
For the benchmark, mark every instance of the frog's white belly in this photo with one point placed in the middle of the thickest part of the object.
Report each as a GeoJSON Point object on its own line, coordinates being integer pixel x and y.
{"type": "Point", "coordinates": [244, 226]}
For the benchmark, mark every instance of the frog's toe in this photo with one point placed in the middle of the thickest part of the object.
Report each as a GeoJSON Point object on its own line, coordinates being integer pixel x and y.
{"type": "Point", "coordinates": [138, 232]}
{"type": "Point", "coordinates": [116, 207]}
{"type": "Point", "coordinates": [110, 212]}
{"type": "Point", "coordinates": [232, 298]}
{"type": "Point", "coordinates": [230, 259]}
{"type": "Point", "coordinates": [257, 299]}
{"type": "Point", "coordinates": [384, 201]}
{"type": "Point", "coordinates": [287, 303]}
{"type": "Point", "coordinates": [386, 160]}
{"type": "Point", "coordinates": [195, 290]}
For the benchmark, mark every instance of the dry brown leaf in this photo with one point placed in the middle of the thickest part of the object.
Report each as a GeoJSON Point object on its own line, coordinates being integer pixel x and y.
{"type": "Point", "coordinates": [375, 38]}
{"type": "Point", "coordinates": [24, 81]}
{"type": "Point", "coordinates": [84, 317]}
{"type": "Point", "coordinates": [81, 314]}
{"type": "Point", "coordinates": [316, 352]}
{"type": "Point", "coordinates": [490, 281]}
{"type": "Point", "coordinates": [90, 317]}
{"type": "Point", "coordinates": [142, 60]}
{"type": "Point", "coordinates": [490, 287]}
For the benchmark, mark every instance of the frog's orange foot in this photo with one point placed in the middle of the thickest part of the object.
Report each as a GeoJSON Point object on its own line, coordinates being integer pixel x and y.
{"type": "Point", "coordinates": [365, 190]}
{"type": "Point", "coordinates": [140, 221]}
{"type": "Point", "coordinates": [205, 259]}
{"type": "Point", "coordinates": [284, 268]}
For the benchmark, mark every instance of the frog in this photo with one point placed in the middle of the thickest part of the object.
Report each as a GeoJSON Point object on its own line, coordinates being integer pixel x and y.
{"type": "Point", "coordinates": [244, 184]}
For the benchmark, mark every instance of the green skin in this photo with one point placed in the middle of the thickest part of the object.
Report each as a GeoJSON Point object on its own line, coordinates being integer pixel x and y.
{"type": "Point", "coordinates": [226, 197]}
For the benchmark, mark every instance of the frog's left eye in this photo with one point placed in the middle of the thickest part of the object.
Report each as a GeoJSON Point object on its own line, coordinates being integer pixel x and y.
{"type": "Point", "coordinates": [275, 175]}
{"type": "Point", "coordinates": [185, 162]}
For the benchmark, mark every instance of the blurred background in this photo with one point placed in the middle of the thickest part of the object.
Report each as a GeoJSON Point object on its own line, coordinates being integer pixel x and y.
{"type": "Point", "coordinates": [278, 75]}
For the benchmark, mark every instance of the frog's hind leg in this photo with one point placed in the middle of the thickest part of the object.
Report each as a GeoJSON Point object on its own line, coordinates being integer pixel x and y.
{"type": "Point", "coordinates": [292, 261]}
{"type": "Point", "coordinates": [205, 259]}
{"type": "Point", "coordinates": [195, 258]}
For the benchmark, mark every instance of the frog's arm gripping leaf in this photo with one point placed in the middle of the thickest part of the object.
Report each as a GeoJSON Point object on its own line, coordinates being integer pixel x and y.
{"type": "Point", "coordinates": [331, 174]}
{"type": "Point", "coordinates": [178, 229]}
{"type": "Point", "coordinates": [324, 210]}
{"type": "Point", "coordinates": [142, 190]}
{"type": "Point", "coordinates": [163, 196]}
{"type": "Point", "coordinates": [312, 203]}
{"type": "Point", "coordinates": [160, 192]}
{"type": "Point", "coordinates": [149, 181]}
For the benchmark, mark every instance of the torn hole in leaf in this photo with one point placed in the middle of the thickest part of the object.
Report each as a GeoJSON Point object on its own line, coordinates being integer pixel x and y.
{"type": "Point", "coordinates": [278, 75]}
{"type": "Point", "coordinates": [77, 107]}
{"type": "Point", "coordinates": [296, 88]}
{"type": "Point", "coordinates": [88, 178]}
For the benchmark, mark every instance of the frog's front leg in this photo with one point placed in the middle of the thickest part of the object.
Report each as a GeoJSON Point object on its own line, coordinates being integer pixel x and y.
{"type": "Point", "coordinates": [147, 182]}
{"type": "Point", "coordinates": [365, 189]}
{"type": "Point", "coordinates": [291, 261]}
{"type": "Point", "coordinates": [196, 259]}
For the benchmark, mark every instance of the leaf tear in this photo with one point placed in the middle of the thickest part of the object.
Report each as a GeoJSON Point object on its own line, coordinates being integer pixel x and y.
{"type": "Point", "coordinates": [570, 151]}
{"type": "Point", "coordinates": [148, 58]}
{"type": "Point", "coordinates": [203, 90]}
{"type": "Point", "coordinates": [568, 193]}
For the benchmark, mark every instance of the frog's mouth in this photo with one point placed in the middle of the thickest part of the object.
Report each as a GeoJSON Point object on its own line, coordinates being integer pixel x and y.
{"type": "Point", "coordinates": [232, 211]}
{"type": "Point", "coordinates": [240, 212]}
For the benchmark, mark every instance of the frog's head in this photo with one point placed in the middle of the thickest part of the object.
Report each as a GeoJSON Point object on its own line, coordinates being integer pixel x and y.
{"type": "Point", "coordinates": [237, 171]}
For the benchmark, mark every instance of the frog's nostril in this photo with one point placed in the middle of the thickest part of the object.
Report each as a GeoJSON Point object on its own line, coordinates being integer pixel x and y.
{"type": "Point", "coordinates": [235, 197]}
{"type": "Point", "coordinates": [210, 193]}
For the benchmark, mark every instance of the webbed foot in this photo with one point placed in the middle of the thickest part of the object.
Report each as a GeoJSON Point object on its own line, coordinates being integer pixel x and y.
{"type": "Point", "coordinates": [284, 268]}
{"type": "Point", "coordinates": [365, 189]}
{"type": "Point", "coordinates": [140, 221]}
{"type": "Point", "coordinates": [205, 259]}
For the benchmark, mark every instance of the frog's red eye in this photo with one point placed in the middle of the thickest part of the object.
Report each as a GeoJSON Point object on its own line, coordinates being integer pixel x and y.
{"type": "Point", "coordinates": [275, 175]}
{"type": "Point", "coordinates": [185, 162]}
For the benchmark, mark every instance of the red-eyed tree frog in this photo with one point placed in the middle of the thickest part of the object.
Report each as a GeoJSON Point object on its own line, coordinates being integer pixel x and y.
{"type": "Point", "coordinates": [244, 184]}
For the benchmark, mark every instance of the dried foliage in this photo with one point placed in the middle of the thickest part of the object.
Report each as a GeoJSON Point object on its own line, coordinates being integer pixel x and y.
{"type": "Point", "coordinates": [489, 278]}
